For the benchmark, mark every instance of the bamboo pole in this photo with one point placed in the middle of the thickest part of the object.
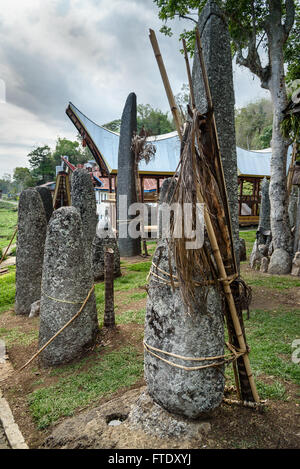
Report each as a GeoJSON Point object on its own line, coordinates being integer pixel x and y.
{"type": "Point", "coordinates": [188, 70]}
{"type": "Point", "coordinates": [208, 223]}
{"type": "Point", "coordinates": [60, 330]}
{"type": "Point", "coordinates": [166, 82]}
{"type": "Point", "coordinates": [229, 297]}
{"type": "Point", "coordinates": [210, 109]}
{"type": "Point", "coordinates": [6, 250]}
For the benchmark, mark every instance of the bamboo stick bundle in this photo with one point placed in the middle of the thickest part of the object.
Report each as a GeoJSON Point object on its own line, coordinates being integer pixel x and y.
{"type": "Point", "coordinates": [201, 180]}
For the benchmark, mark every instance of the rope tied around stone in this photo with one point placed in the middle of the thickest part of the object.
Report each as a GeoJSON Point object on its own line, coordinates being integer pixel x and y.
{"type": "Point", "coordinates": [230, 279]}
{"type": "Point", "coordinates": [234, 355]}
{"type": "Point", "coordinates": [60, 300]}
{"type": "Point", "coordinates": [61, 329]}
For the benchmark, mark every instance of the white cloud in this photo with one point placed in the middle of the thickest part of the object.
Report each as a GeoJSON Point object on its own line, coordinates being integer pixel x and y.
{"type": "Point", "coordinates": [91, 52]}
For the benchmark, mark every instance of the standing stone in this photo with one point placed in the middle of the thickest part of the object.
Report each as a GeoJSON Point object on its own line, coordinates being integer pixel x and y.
{"type": "Point", "coordinates": [105, 238]}
{"type": "Point", "coordinates": [218, 60]}
{"type": "Point", "coordinates": [83, 198]}
{"type": "Point", "coordinates": [243, 250]}
{"type": "Point", "coordinates": [47, 200]}
{"type": "Point", "coordinates": [126, 180]}
{"type": "Point", "coordinates": [32, 227]}
{"type": "Point", "coordinates": [168, 327]}
{"type": "Point", "coordinates": [264, 224]}
{"type": "Point", "coordinates": [296, 265]}
{"type": "Point", "coordinates": [263, 234]}
{"type": "Point", "coordinates": [264, 265]}
{"type": "Point", "coordinates": [67, 279]}
{"type": "Point", "coordinates": [280, 263]}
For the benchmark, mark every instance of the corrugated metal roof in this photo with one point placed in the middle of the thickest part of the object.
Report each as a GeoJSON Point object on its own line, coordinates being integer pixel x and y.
{"type": "Point", "coordinates": [252, 163]}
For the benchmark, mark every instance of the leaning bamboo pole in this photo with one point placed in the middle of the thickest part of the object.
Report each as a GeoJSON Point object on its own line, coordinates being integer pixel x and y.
{"type": "Point", "coordinates": [165, 79]}
{"type": "Point", "coordinates": [214, 244]}
{"type": "Point", "coordinates": [192, 99]}
{"type": "Point", "coordinates": [221, 177]}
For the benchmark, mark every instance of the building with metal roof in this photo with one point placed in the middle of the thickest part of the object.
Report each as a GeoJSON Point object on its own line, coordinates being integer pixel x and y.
{"type": "Point", "coordinates": [252, 166]}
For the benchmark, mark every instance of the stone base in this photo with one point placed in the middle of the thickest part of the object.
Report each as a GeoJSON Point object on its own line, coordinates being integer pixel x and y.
{"type": "Point", "coordinates": [138, 423]}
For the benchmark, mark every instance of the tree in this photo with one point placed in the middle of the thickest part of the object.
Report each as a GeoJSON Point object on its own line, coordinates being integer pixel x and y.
{"type": "Point", "coordinates": [72, 149]}
{"type": "Point", "coordinates": [114, 126]}
{"type": "Point", "coordinates": [41, 162]}
{"type": "Point", "coordinates": [260, 29]}
{"type": "Point", "coordinates": [23, 178]}
{"type": "Point", "coordinates": [154, 121]}
{"type": "Point", "coordinates": [252, 125]}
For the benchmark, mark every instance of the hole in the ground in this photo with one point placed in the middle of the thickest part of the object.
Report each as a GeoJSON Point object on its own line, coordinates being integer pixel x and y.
{"type": "Point", "coordinates": [115, 419]}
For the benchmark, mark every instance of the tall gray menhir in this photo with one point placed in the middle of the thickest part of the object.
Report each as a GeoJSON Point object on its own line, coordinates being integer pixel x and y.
{"type": "Point", "coordinates": [218, 60]}
{"type": "Point", "coordinates": [32, 228]}
{"type": "Point", "coordinates": [67, 279]}
{"type": "Point", "coordinates": [168, 327]}
{"type": "Point", "coordinates": [126, 178]}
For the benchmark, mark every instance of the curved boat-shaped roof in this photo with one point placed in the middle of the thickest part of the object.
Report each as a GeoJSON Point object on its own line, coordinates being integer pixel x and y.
{"type": "Point", "coordinates": [104, 145]}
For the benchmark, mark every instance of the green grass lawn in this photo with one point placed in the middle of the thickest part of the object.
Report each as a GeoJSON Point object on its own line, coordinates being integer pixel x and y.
{"type": "Point", "coordinates": [8, 222]}
{"type": "Point", "coordinates": [269, 332]}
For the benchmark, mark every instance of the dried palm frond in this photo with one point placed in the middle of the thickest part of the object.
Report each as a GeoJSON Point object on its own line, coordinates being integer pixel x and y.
{"type": "Point", "coordinates": [197, 184]}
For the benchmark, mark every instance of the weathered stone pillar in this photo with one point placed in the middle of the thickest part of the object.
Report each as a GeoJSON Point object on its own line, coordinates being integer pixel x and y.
{"type": "Point", "coordinates": [32, 227]}
{"type": "Point", "coordinates": [263, 234]}
{"type": "Point", "coordinates": [47, 200]}
{"type": "Point", "coordinates": [169, 328]}
{"type": "Point", "coordinates": [218, 60]}
{"type": "Point", "coordinates": [104, 239]}
{"type": "Point", "coordinates": [83, 198]}
{"type": "Point", "coordinates": [67, 279]}
{"type": "Point", "coordinates": [265, 208]}
{"type": "Point", "coordinates": [126, 187]}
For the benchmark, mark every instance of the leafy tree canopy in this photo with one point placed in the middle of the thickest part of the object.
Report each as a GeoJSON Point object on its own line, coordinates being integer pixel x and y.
{"type": "Point", "coordinates": [154, 121]}
{"type": "Point", "coordinates": [247, 26]}
{"type": "Point", "coordinates": [253, 124]}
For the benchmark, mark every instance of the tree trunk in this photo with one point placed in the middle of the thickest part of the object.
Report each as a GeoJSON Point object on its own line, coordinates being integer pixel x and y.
{"type": "Point", "coordinates": [280, 227]}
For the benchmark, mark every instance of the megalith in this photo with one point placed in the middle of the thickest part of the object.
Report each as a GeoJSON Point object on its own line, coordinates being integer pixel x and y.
{"type": "Point", "coordinates": [84, 200]}
{"type": "Point", "coordinates": [126, 188]}
{"type": "Point", "coordinates": [263, 234]}
{"type": "Point", "coordinates": [105, 238]}
{"type": "Point", "coordinates": [47, 200]}
{"type": "Point", "coordinates": [215, 40]}
{"type": "Point", "coordinates": [66, 282]}
{"type": "Point", "coordinates": [32, 227]}
{"type": "Point", "coordinates": [169, 329]}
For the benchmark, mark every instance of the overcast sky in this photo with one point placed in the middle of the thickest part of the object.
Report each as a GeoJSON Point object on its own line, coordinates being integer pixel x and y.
{"type": "Point", "coordinates": [90, 52]}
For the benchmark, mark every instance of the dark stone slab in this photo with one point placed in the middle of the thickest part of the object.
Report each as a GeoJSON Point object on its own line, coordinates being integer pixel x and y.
{"type": "Point", "coordinates": [47, 200]}
{"type": "Point", "coordinates": [126, 179]}
{"type": "Point", "coordinates": [83, 198]}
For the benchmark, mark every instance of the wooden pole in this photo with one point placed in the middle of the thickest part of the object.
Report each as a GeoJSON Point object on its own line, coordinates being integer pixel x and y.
{"type": "Point", "coordinates": [208, 223]}
{"type": "Point", "coordinates": [6, 250]}
{"type": "Point", "coordinates": [220, 176]}
{"type": "Point", "coordinates": [229, 297]}
{"type": "Point", "coordinates": [165, 79]}
{"type": "Point", "coordinates": [109, 312]}
{"type": "Point", "coordinates": [188, 70]}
